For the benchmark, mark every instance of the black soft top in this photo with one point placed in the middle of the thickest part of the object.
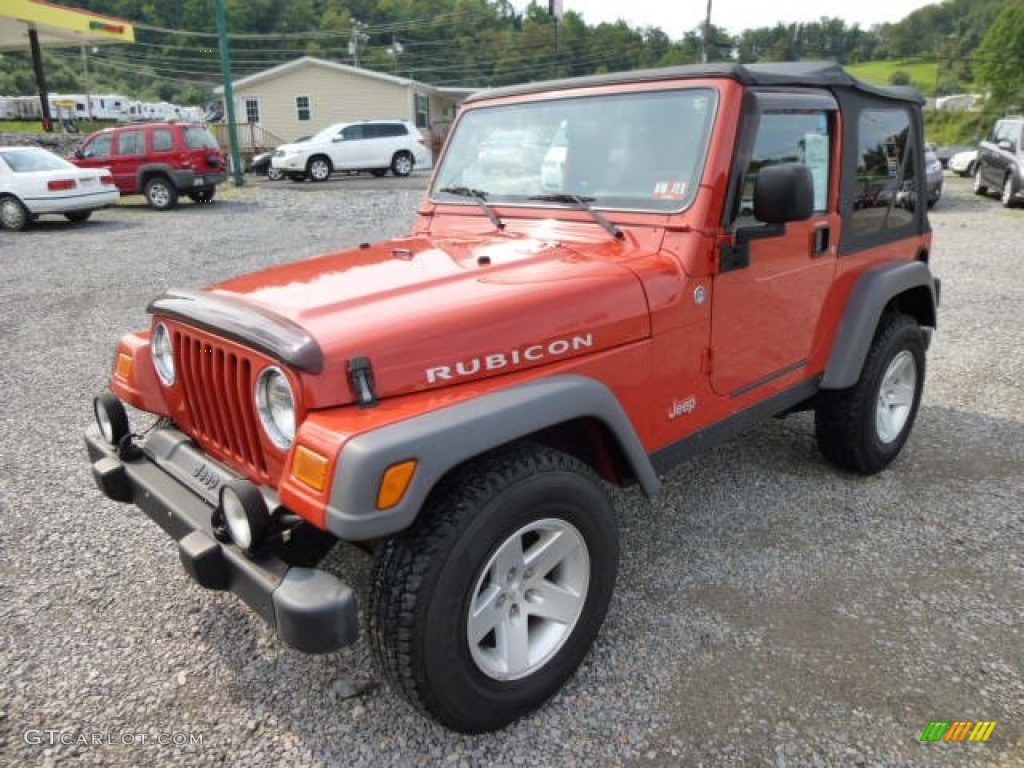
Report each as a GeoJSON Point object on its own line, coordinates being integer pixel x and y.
{"type": "Point", "coordinates": [820, 74]}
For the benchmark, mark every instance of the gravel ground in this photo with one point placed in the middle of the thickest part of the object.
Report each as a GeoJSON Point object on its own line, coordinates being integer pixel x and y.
{"type": "Point", "coordinates": [770, 611]}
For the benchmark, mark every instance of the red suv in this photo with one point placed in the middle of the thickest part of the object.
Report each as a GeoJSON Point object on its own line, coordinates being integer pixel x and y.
{"type": "Point", "coordinates": [158, 160]}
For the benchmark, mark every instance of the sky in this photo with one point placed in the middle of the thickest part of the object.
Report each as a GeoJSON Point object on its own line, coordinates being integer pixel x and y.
{"type": "Point", "coordinates": [677, 17]}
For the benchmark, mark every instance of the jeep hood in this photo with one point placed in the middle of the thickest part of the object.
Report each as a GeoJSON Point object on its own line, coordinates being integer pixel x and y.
{"type": "Point", "coordinates": [434, 312]}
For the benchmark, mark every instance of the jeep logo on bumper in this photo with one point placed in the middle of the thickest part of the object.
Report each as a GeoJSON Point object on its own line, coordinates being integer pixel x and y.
{"type": "Point", "coordinates": [206, 476]}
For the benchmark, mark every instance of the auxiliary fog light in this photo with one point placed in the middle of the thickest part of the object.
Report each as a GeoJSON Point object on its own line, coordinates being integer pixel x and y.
{"type": "Point", "coordinates": [111, 417]}
{"type": "Point", "coordinates": [244, 513]}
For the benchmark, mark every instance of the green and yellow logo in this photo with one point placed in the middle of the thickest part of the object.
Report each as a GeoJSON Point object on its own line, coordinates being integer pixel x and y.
{"type": "Point", "coordinates": [958, 730]}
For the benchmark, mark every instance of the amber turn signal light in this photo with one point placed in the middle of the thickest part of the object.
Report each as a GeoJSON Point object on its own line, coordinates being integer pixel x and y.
{"type": "Point", "coordinates": [124, 366]}
{"type": "Point", "coordinates": [395, 483]}
{"type": "Point", "coordinates": [310, 468]}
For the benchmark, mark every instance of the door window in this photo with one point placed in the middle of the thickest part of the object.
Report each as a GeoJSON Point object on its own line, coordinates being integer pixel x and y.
{"type": "Point", "coordinates": [353, 132]}
{"type": "Point", "coordinates": [131, 143]}
{"type": "Point", "coordinates": [162, 140]}
{"type": "Point", "coordinates": [98, 147]}
{"type": "Point", "coordinates": [791, 137]}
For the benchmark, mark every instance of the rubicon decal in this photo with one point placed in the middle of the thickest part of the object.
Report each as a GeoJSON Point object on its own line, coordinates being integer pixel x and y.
{"type": "Point", "coordinates": [496, 361]}
{"type": "Point", "coordinates": [958, 730]}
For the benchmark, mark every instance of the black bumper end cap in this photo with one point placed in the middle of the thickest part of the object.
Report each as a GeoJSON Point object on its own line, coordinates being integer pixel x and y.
{"type": "Point", "coordinates": [315, 612]}
{"type": "Point", "coordinates": [112, 479]}
{"type": "Point", "coordinates": [203, 560]}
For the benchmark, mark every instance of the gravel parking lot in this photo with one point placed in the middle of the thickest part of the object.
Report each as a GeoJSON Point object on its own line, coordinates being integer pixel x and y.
{"type": "Point", "coordinates": [769, 611]}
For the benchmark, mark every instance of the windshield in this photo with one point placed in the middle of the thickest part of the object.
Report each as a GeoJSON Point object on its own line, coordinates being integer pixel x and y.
{"type": "Point", "coordinates": [32, 160]}
{"type": "Point", "coordinates": [636, 151]}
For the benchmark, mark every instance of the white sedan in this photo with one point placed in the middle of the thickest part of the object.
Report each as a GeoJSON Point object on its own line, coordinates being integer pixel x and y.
{"type": "Point", "coordinates": [34, 181]}
{"type": "Point", "coordinates": [964, 163]}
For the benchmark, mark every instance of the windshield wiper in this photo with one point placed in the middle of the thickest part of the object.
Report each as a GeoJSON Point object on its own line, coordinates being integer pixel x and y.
{"type": "Point", "coordinates": [481, 199]}
{"type": "Point", "coordinates": [582, 203]}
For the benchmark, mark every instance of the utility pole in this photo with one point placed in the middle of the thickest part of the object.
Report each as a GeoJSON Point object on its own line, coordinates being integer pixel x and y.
{"type": "Point", "coordinates": [85, 82]}
{"type": "Point", "coordinates": [357, 37]}
{"type": "Point", "coordinates": [229, 91]}
{"type": "Point", "coordinates": [706, 38]}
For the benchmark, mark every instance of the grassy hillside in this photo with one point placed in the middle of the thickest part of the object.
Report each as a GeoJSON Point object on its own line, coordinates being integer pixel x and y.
{"type": "Point", "coordinates": [923, 72]}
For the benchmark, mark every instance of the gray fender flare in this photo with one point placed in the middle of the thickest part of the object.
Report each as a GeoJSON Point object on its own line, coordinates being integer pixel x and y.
{"type": "Point", "coordinates": [876, 288]}
{"type": "Point", "coordinates": [443, 439]}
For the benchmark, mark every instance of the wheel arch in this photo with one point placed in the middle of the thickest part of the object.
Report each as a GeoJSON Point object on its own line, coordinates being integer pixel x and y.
{"type": "Point", "coordinates": [574, 414]}
{"type": "Point", "coordinates": [907, 288]}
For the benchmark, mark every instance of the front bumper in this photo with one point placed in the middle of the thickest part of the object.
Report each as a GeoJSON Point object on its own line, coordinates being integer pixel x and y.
{"type": "Point", "coordinates": [310, 609]}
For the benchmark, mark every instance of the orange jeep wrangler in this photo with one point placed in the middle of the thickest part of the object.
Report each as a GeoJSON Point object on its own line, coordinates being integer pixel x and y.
{"type": "Point", "coordinates": [683, 254]}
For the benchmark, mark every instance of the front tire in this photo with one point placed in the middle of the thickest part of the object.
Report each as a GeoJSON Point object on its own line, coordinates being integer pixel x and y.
{"type": "Point", "coordinates": [863, 428]}
{"type": "Point", "coordinates": [1006, 198]}
{"type": "Point", "coordinates": [274, 174]}
{"type": "Point", "coordinates": [318, 168]}
{"type": "Point", "coordinates": [979, 185]}
{"type": "Point", "coordinates": [482, 609]}
{"type": "Point", "coordinates": [160, 193]}
{"type": "Point", "coordinates": [13, 214]}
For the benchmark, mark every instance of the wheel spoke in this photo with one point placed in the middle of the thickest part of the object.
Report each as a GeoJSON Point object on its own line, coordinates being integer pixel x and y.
{"type": "Point", "coordinates": [512, 638]}
{"type": "Point", "coordinates": [547, 553]}
{"type": "Point", "coordinates": [555, 602]}
{"type": "Point", "coordinates": [901, 395]}
{"type": "Point", "coordinates": [508, 559]}
{"type": "Point", "coordinates": [485, 615]}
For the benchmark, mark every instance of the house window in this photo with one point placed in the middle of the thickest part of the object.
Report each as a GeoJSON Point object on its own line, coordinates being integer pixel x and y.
{"type": "Point", "coordinates": [302, 108]}
{"type": "Point", "coordinates": [252, 110]}
{"type": "Point", "coordinates": [422, 111]}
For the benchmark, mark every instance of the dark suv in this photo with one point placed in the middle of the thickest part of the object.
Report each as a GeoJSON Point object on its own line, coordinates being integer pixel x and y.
{"type": "Point", "coordinates": [158, 160]}
{"type": "Point", "coordinates": [1000, 163]}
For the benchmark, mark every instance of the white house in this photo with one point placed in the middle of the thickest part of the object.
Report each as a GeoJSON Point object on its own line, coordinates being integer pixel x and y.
{"type": "Point", "coordinates": [305, 95]}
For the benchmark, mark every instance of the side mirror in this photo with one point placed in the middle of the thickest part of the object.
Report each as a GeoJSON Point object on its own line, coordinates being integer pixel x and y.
{"type": "Point", "coordinates": [1005, 145]}
{"type": "Point", "coordinates": [337, 138]}
{"type": "Point", "coordinates": [783, 193]}
{"type": "Point", "coordinates": [79, 153]}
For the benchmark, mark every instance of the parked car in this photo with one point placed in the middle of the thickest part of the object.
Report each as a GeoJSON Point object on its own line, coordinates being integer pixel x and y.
{"type": "Point", "coordinates": [907, 196]}
{"type": "Point", "coordinates": [963, 163]}
{"type": "Point", "coordinates": [457, 401]}
{"type": "Point", "coordinates": [34, 181]}
{"type": "Point", "coordinates": [261, 163]}
{"type": "Point", "coordinates": [158, 160]}
{"type": "Point", "coordinates": [1000, 163]}
{"type": "Point", "coordinates": [375, 146]}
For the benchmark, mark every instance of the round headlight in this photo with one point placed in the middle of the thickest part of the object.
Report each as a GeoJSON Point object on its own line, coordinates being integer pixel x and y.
{"type": "Point", "coordinates": [163, 354]}
{"type": "Point", "coordinates": [276, 406]}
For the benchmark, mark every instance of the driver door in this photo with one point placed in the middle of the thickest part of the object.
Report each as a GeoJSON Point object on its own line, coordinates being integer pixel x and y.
{"type": "Point", "coordinates": [769, 294]}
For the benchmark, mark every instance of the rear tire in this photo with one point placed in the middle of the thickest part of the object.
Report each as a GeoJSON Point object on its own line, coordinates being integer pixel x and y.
{"type": "Point", "coordinates": [77, 217]}
{"type": "Point", "coordinates": [14, 216]}
{"type": "Point", "coordinates": [487, 604]}
{"type": "Point", "coordinates": [402, 164]}
{"type": "Point", "coordinates": [160, 193]}
{"type": "Point", "coordinates": [863, 428]}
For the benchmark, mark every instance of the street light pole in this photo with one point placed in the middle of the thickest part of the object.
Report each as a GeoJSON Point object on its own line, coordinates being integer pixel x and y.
{"type": "Point", "coordinates": [229, 91]}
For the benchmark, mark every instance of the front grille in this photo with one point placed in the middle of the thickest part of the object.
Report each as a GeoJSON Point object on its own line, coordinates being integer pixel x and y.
{"type": "Point", "coordinates": [218, 384]}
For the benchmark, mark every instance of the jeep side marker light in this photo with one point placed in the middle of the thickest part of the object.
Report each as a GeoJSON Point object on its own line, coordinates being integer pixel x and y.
{"type": "Point", "coordinates": [111, 417]}
{"type": "Point", "coordinates": [395, 483]}
{"type": "Point", "coordinates": [245, 514]}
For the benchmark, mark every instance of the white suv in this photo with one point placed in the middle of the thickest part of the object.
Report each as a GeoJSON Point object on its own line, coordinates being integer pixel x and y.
{"type": "Point", "coordinates": [369, 145]}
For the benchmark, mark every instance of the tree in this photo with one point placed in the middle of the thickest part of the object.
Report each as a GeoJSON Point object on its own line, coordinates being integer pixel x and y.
{"type": "Point", "coordinates": [1000, 57]}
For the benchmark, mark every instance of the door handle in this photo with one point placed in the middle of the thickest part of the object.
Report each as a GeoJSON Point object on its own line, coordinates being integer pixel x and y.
{"type": "Point", "coordinates": [821, 241]}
